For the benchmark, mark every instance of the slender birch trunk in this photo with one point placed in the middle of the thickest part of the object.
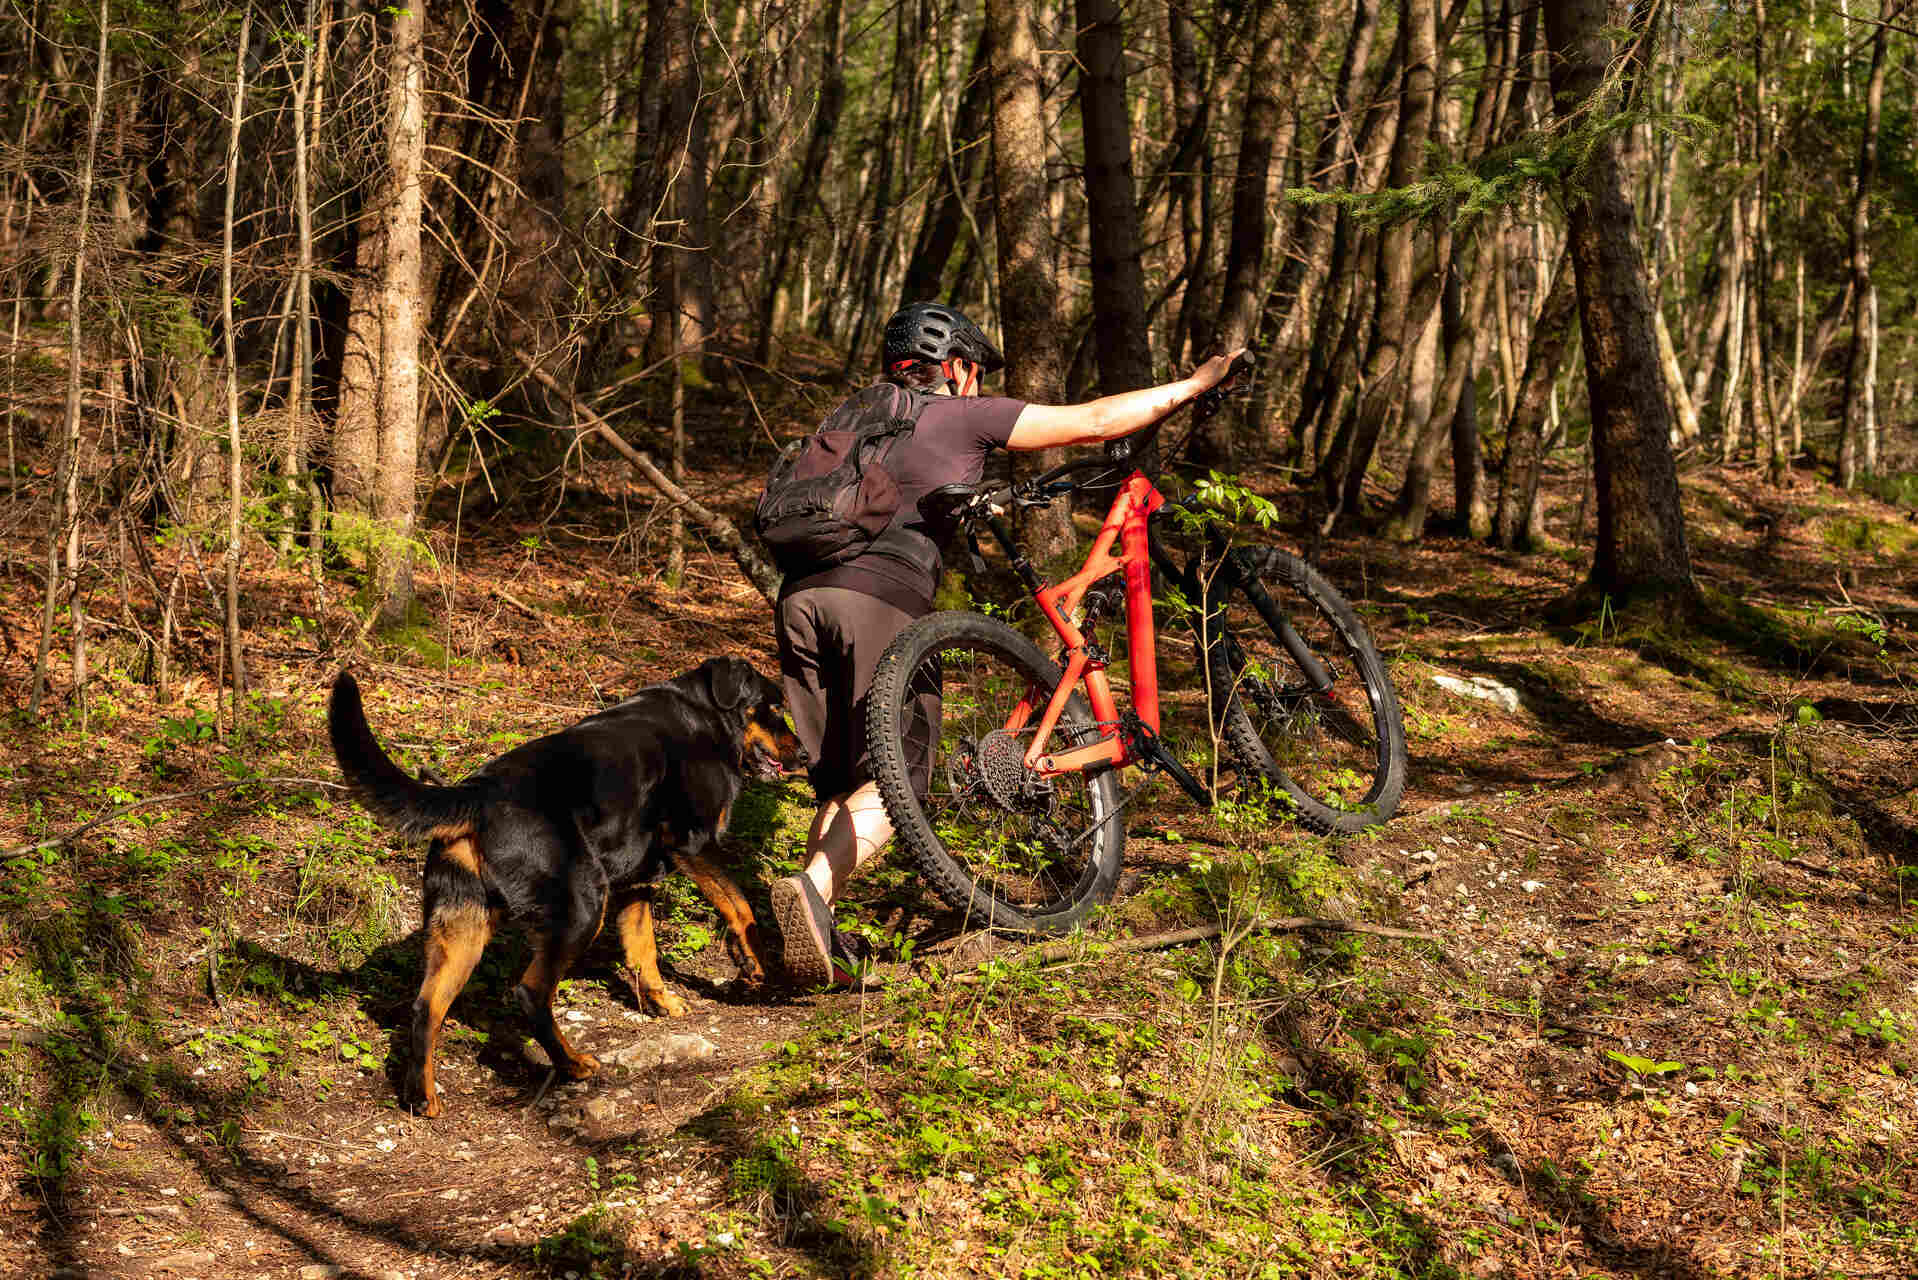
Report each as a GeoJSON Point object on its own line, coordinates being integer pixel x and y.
{"type": "Point", "coordinates": [1855, 445]}
{"type": "Point", "coordinates": [63, 533]}
{"type": "Point", "coordinates": [235, 494]}
{"type": "Point", "coordinates": [299, 401]}
{"type": "Point", "coordinates": [394, 486]}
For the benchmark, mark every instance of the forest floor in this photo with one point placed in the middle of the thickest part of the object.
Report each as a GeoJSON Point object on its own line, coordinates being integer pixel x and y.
{"type": "Point", "coordinates": [1671, 1028]}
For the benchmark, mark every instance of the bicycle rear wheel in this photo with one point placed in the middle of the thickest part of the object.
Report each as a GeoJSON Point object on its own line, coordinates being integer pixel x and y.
{"type": "Point", "coordinates": [1336, 754]}
{"type": "Point", "coordinates": [954, 702]}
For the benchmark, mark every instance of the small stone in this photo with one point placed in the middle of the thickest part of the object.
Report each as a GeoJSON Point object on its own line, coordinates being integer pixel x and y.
{"type": "Point", "coordinates": [451, 1193]}
{"type": "Point", "coordinates": [1532, 886]}
{"type": "Point", "coordinates": [195, 1263]}
{"type": "Point", "coordinates": [574, 1015]}
{"type": "Point", "coordinates": [169, 1191]}
{"type": "Point", "coordinates": [686, 1048]}
{"type": "Point", "coordinates": [1482, 688]}
{"type": "Point", "coordinates": [321, 1271]}
{"type": "Point", "coordinates": [1425, 855]}
{"type": "Point", "coordinates": [601, 1111]}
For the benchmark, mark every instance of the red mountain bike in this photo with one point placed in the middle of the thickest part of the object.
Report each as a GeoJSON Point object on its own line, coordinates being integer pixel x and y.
{"type": "Point", "coordinates": [1000, 770]}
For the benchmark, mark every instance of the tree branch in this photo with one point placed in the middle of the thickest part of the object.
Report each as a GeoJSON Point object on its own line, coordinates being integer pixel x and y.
{"type": "Point", "coordinates": [723, 531]}
{"type": "Point", "coordinates": [26, 850]}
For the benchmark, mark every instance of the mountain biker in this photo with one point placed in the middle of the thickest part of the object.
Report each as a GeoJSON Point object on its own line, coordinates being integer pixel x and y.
{"type": "Point", "coordinates": [833, 625]}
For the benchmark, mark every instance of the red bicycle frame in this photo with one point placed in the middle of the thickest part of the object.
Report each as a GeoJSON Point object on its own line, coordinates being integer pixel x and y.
{"type": "Point", "coordinates": [1125, 524]}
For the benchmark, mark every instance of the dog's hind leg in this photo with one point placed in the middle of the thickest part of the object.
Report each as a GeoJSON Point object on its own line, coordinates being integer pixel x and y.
{"type": "Point", "coordinates": [635, 922]}
{"type": "Point", "coordinates": [553, 957]}
{"type": "Point", "coordinates": [456, 933]}
{"type": "Point", "coordinates": [733, 909]}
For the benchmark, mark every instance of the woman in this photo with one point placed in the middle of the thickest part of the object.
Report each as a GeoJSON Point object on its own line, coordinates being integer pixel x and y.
{"type": "Point", "coordinates": [833, 625]}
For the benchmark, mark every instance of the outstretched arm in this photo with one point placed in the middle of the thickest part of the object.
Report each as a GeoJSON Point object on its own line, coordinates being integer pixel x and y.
{"type": "Point", "coordinates": [1050, 426]}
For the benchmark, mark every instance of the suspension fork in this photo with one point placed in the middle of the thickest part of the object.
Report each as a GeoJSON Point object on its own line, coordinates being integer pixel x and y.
{"type": "Point", "coordinates": [1210, 598]}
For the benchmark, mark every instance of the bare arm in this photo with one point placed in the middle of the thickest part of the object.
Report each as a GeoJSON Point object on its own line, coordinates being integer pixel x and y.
{"type": "Point", "coordinates": [1049, 426]}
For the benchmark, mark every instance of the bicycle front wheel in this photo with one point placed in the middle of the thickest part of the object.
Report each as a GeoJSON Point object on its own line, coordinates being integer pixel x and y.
{"type": "Point", "coordinates": [954, 702]}
{"type": "Point", "coordinates": [1331, 741]}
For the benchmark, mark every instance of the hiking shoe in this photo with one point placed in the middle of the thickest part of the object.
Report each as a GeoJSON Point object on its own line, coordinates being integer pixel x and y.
{"type": "Point", "coordinates": [815, 953]}
{"type": "Point", "coordinates": [805, 930]}
{"type": "Point", "coordinates": [853, 962]}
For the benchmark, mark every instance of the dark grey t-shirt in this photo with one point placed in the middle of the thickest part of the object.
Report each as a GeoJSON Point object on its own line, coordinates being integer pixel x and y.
{"type": "Point", "coordinates": [948, 446]}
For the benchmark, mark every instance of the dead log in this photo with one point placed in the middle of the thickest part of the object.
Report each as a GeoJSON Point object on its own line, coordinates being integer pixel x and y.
{"type": "Point", "coordinates": [717, 527]}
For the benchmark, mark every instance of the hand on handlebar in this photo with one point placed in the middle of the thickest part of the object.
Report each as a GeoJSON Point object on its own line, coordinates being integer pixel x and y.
{"type": "Point", "coordinates": [1221, 369]}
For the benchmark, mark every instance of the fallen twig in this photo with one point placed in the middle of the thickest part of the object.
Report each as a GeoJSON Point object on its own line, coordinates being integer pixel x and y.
{"type": "Point", "coordinates": [1056, 951]}
{"type": "Point", "coordinates": [524, 608]}
{"type": "Point", "coordinates": [56, 842]}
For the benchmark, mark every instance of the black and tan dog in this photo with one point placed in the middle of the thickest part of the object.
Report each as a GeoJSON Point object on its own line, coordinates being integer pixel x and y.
{"type": "Point", "coordinates": [555, 833]}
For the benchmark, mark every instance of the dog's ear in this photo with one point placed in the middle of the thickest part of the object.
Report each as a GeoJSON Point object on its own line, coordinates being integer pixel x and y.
{"type": "Point", "coordinates": [733, 681]}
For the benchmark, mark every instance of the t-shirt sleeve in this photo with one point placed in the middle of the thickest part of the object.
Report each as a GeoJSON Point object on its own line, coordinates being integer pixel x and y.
{"type": "Point", "coordinates": [992, 418]}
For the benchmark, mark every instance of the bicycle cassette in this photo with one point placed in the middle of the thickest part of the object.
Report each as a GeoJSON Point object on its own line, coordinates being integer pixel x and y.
{"type": "Point", "coordinates": [1001, 764]}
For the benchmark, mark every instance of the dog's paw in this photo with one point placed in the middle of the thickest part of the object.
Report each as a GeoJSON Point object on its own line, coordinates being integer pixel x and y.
{"type": "Point", "coordinates": [582, 1065]}
{"type": "Point", "coordinates": [663, 1003]}
{"type": "Point", "coordinates": [416, 1097]}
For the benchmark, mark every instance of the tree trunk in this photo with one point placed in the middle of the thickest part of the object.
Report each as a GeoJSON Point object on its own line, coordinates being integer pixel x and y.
{"type": "Point", "coordinates": [1303, 272]}
{"type": "Point", "coordinates": [1512, 526]}
{"type": "Point", "coordinates": [804, 192]}
{"type": "Point", "coordinates": [395, 486]}
{"type": "Point", "coordinates": [63, 530]}
{"type": "Point", "coordinates": [880, 225]}
{"type": "Point", "coordinates": [235, 491]}
{"type": "Point", "coordinates": [300, 401]}
{"type": "Point", "coordinates": [1112, 212]}
{"type": "Point", "coordinates": [1191, 112]}
{"type": "Point", "coordinates": [1251, 213]}
{"type": "Point", "coordinates": [1764, 404]}
{"type": "Point", "coordinates": [682, 303]}
{"type": "Point", "coordinates": [1731, 406]}
{"type": "Point", "coordinates": [1343, 476]}
{"type": "Point", "coordinates": [1687, 417]}
{"type": "Point", "coordinates": [356, 414]}
{"type": "Point", "coordinates": [1853, 460]}
{"type": "Point", "coordinates": [1641, 528]}
{"type": "Point", "coordinates": [1449, 414]}
{"type": "Point", "coordinates": [939, 233]}
{"type": "Point", "coordinates": [1028, 275]}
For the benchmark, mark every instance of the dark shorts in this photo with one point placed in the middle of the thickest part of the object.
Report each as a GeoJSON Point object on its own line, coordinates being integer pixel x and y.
{"type": "Point", "coordinates": [830, 640]}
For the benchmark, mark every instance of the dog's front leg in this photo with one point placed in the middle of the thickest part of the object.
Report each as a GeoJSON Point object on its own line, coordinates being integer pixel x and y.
{"type": "Point", "coordinates": [635, 921]}
{"type": "Point", "coordinates": [733, 909]}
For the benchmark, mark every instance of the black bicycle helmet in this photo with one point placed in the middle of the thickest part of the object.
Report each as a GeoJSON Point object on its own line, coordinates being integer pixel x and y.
{"type": "Point", "coordinates": [935, 332]}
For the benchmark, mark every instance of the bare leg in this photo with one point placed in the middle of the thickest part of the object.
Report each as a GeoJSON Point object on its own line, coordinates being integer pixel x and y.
{"type": "Point", "coordinates": [847, 832]}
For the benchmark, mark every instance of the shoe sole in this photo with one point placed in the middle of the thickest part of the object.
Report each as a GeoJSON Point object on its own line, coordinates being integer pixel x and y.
{"type": "Point", "coordinates": [805, 952]}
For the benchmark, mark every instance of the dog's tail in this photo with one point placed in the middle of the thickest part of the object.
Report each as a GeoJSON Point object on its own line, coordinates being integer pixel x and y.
{"type": "Point", "coordinates": [392, 795]}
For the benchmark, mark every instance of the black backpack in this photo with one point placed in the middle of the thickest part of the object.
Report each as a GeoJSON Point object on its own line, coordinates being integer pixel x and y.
{"type": "Point", "coordinates": [829, 496]}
